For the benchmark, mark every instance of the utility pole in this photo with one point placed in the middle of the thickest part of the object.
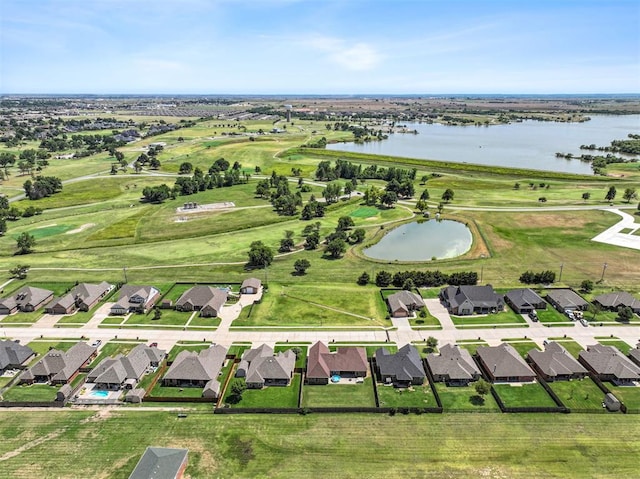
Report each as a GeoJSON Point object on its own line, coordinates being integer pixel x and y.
{"type": "Point", "coordinates": [124, 270]}
{"type": "Point", "coordinates": [560, 276]}
{"type": "Point", "coordinates": [604, 268]}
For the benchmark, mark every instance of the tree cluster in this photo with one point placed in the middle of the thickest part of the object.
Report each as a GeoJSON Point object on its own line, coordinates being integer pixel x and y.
{"type": "Point", "coordinates": [425, 278]}
{"type": "Point", "coordinates": [42, 187]}
{"type": "Point", "coordinates": [157, 194]}
{"type": "Point", "coordinates": [543, 277]}
{"type": "Point", "coordinates": [346, 169]}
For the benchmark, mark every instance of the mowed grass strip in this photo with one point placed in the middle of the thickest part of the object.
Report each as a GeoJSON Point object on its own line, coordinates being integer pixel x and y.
{"type": "Point", "coordinates": [31, 393]}
{"type": "Point", "coordinates": [270, 397]}
{"type": "Point", "coordinates": [524, 395]}
{"type": "Point", "coordinates": [465, 398]}
{"type": "Point", "coordinates": [629, 395]}
{"type": "Point", "coordinates": [579, 394]}
{"type": "Point", "coordinates": [339, 395]}
{"type": "Point", "coordinates": [415, 396]}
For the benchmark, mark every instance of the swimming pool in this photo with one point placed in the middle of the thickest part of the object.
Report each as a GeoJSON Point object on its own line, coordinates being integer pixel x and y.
{"type": "Point", "coordinates": [99, 394]}
{"type": "Point", "coordinates": [335, 378]}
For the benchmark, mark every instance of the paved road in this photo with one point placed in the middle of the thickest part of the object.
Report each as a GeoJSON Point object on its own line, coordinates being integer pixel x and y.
{"type": "Point", "coordinates": [614, 236]}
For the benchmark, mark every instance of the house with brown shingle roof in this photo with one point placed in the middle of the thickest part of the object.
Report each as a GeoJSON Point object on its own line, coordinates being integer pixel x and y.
{"type": "Point", "coordinates": [206, 299]}
{"type": "Point", "coordinates": [524, 300]}
{"type": "Point", "coordinates": [555, 363]}
{"type": "Point", "coordinates": [250, 286]}
{"type": "Point", "coordinates": [468, 299]}
{"type": "Point", "coordinates": [60, 367]}
{"type": "Point", "coordinates": [138, 299]}
{"type": "Point", "coordinates": [403, 303]}
{"type": "Point", "coordinates": [616, 299]}
{"type": "Point", "coordinates": [196, 369]}
{"type": "Point", "coordinates": [261, 367]}
{"type": "Point", "coordinates": [503, 363]}
{"type": "Point", "coordinates": [83, 297]}
{"type": "Point", "coordinates": [566, 300]}
{"type": "Point", "coordinates": [125, 371]}
{"type": "Point", "coordinates": [346, 361]}
{"type": "Point", "coordinates": [453, 365]}
{"type": "Point", "coordinates": [26, 299]}
{"type": "Point", "coordinates": [14, 355]}
{"type": "Point", "coordinates": [609, 364]}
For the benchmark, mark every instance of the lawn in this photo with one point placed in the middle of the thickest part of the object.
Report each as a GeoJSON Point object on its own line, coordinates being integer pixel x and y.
{"type": "Point", "coordinates": [26, 318]}
{"type": "Point", "coordinates": [113, 320]}
{"type": "Point", "coordinates": [523, 346]}
{"type": "Point", "coordinates": [175, 392]}
{"type": "Point", "coordinates": [505, 317]}
{"type": "Point", "coordinates": [111, 349]}
{"type": "Point", "coordinates": [464, 398]}
{"type": "Point", "coordinates": [316, 305]}
{"type": "Point", "coordinates": [339, 395]}
{"type": "Point", "coordinates": [42, 347]}
{"type": "Point", "coordinates": [579, 394]}
{"type": "Point", "coordinates": [170, 317]}
{"type": "Point", "coordinates": [571, 346]}
{"type": "Point", "coordinates": [416, 396]}
{"type": "Point", "coordinates": [471, 345]}
{"type": "Point", "coordinates": [617, 343]}
{"type": "Point", "coordinates": [31, 393]}
{"type": "Point", "coordinates": [629, 395]}
{"type": "Point", "coordinates": [201, 323]}
{"type": "Point", "coordinates": [271, 397]}
{"type": "Point", "coordinates": [93, 444]}
{"type": "Point", "coordinates": [175, 350]}
{"type": "Point", "coordinates": [525, 395]}
{"type": "Point", "coordinates": [550, 315]}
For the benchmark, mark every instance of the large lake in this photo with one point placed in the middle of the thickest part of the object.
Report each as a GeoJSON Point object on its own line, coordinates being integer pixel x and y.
{"type": "Point", "coordinates": [422, 240]}
{"type": "Point", "coordinates": [528, 144]}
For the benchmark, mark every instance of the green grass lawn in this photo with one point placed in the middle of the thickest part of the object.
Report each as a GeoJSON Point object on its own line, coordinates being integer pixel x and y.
{"type": "Point", "coordinates": [472, 345]}
{"type": "Point", "coordinates": [505, 317]}
{"type": "Point", "coordinates": [171, 356]}
{"type": "Point", "coordinates": [42, 347]}
{"type": "Point", "coordinates": [113, 320]}
{"type": "Point", "coordinates": [629, 395]}
{"type": "Point", "coordinates": [175, 392]}
{"type": "Point", "coordinates": [550, 315]}
{"type": "Point", "coordinates": [523, 346]}
{"type": "Point", "coordinates": [200, 322]}
{"type": "Point", "coordinates": [579, 394]}
{"type": "Point", "coordinates": [525, 395]}
{"type": "Point", "coordinates": [4, 380]}
{"type": "Point", "coordinates": [324, 445]}
{"type": "Point", "coordinates": [26, 318]}
{"type": "Point", "coordinates": [301, 358]}
{"type": "Point", "coordinates": [271, 397]}
{"type": "Point", "coordinates": [111, 349]}
{"type": "Point", "coordinates": [571, 346]}
{"type": "Point", "coordinates": [170, 317]}
{"type": "Point", "coordinates": [617, 343]}
{"type": "Point", "coordinates": [31, 393]}
{"type": "Point", "coordinates": [416, 396]}
{"type": "Point", "coordinates": [464, 398]}
{"type": "Point", "coordinates": [316, 305]}
{"type": "Point", "coordinates": [339, 395]}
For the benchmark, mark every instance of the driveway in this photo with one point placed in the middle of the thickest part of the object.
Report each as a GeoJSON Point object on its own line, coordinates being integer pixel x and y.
{"type": "Point", "coordinates": [614, 236]}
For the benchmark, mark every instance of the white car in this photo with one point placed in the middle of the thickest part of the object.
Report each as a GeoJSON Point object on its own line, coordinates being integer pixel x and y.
{"type": "Point", "coordinates": [96, 343]}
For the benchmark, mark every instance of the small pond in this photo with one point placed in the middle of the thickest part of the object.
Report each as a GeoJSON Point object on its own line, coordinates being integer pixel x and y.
{"type": "Point", "coordinates": [423, 240]}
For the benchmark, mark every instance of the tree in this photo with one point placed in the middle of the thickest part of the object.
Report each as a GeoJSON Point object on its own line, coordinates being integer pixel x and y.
{"type": "Point", "coordinates": [482, 388]}
{"type": "Point", "coordinates": [25, 243]}
{"type": "Point", "coordinates": [20, 271]}
{"type": "Point", "coordinates": [424, 195]}
{"type": "Point", "coordinates": [389, 198]}
{"type": "Point", "coordinates": [586, 286]}
{"type": "Point", "coordinates": [114, 169]}
{"type": "Point", "coordinates": [625, 314]}
{"type": "Point", "coordinates": [301, 266]}
{"type": "Point", "coordinates": [336, 247]}
{"type": "Point", "coordinates": [611, 194]}
{"type": "Point", "coordinates": [383, 279]}
{"type": "Point", "coordinates": [629, 194]}
{"type": "Point", "coordinates": [586, 195]}
{"type": "Point", "coordinates": [363, 279]}
{"type": "Point", "coordinates": [157, 313]}
{"type": "Point", "coordinates": [238, 386]}
{"type": "Point", "coordinates": [357, 236]}
{"type": "Point", "coordinates": [6, 160]}
{"type": "Point", "coordinates": [154, 163]}
{"type": "Point", "coordinates": [260, 255]}
{"type": "Point", "coordinates": [432, 344]}
{"type": "Point", "coordinates": [422, 205]}
{"type": "Point", "coordinates": [408, 284]}
{"type": "Point", "coordinates": [312, 240]}
{"type": "Point", "coordinates": [286, 243]}
{"type": "Point", "coordinates": [348, 189]}
{"type": "Point", "coordinates": [344, 223]}
{"type": "Point", "coordinates": [185, 168]}
{"type": "Point", "coordinates": [447, 196]}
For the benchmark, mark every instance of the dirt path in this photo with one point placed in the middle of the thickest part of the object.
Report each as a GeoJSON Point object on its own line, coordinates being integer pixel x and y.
{"type": "Point", "coordinates": [31, 444]}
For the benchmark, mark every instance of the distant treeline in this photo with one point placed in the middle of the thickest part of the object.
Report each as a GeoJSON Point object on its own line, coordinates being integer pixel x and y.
{"type": "Point", "coordinates": [348, 170]}
{"type": "Point", "coordinates": [426, 278]}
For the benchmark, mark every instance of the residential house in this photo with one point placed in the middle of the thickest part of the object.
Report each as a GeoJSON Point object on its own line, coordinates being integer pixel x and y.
{"type": "Point", "coordinates": [26, 299]}
{"type": "Point", "coordinates": [347, 361]}
{"type": "Point", "coordinates": [197, 369]}
{"type": "Point", "coordinates": [403, 303]}
{"type": "Point", "coordinates": [261, 367]}
{"type": "Point", "coordinates": [524, 301]}
{"type": "Point", "coordinates": [401, 369]}
{"type": "Point", "coordinates": [14, 355]}
{"type": "Point", "coordinates": [555, 363]}
{"type": "Point", "coordinates": [609, 364]}
{"type": "Point", "coordinates": [503, 363]}
{"type": "Point", "coordinates": [161, 463]}
{"type": "Point", "coordinates": [84, 296]}
{"type": "Point", "coordinates": [465, 300]}
{"type": "Point", "coordinates": [453, 366]}
{"type": "Point", "coordinates": [206, 299]}
{"type": "Point", "coordinates": [125, 371]}
{"type": "Point", "coordinates": [616, 299]}
{"type": "Point", "coordinates": [634, 354]}
{"type": "Point", "coordinates": [135, 299]}
{"type": "Point", "coordinates": [60, 367]}
{"type": "Point", "coordinates": [250, 286]}
{"type": "Point", "coordinates": [566, 300]}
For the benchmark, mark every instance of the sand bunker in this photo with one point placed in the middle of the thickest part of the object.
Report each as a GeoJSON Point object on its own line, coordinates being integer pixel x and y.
{"type": "Point", "coordinates": [81, 228]}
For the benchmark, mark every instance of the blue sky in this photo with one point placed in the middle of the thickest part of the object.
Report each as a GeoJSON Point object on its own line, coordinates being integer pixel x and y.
{"type": "Point", "coordinates": [319, 46]}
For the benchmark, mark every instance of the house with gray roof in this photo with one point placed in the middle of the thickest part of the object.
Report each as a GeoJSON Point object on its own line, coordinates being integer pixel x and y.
{"type": "Point", "coordinates": [135, 299]}
{"type": "Point", "coordinates": [26, 299]}
{"type": "Point", "coordinates": [465, 300]}
{"type": "Point", "coordinates": [14, 355]}
{"type": "Point", "coordinates": [250, 286]}
{"type": "Point", "coordinates": [161, 463]}
{"type": "Point", "coordinates": [401, 369]}
{"type": "Point", "coordinates": [135, 396]}
{"type": "Point", "coordinates": [346, 361]}
{"type": "Point", "coordinates": [609, 364]}
{"type": "Point", "coordinates": [206, 299]}
{"type": "Point", "coordinates": [83, 297]}
{"type": "Point", "coordinates": [403, 303]}
{"type": "Point", "coordinates": [453, 365]}
{"type": "Point", "coordinates": [503, 363]}
{"type": "Point", "coordinates": [64, 393]}
{"type": "Point", "coordinates": [196, 369]}
{"type": "Point", "coordinates": [555, 363]}
{"type": "Point", "coordinates": [261, 367]}
{"type": "Point", "coordinates": [617, 299]}
{"type": "Point", "coordinates": [60, 367]}
{"type": "Point", "coordinates": [524, 300]}
{"type": "Point", "coordinates": [125, 371]}
{"type": "Point", "coordinates": [566, 300]}
{"type": "Point", "coordinates": [634, 354]}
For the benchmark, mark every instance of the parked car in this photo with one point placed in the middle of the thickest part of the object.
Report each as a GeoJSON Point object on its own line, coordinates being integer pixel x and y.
{"type": "Point", "coordinates": [96, 343]}
{"type": "Point", "coordinates": [533, 316]}
{"type": "Point", "coordinates": [153, 345]}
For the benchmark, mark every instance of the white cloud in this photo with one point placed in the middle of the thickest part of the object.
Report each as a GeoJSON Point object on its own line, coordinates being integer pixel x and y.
{"type": "Point", "coordinates": [356, 57]}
